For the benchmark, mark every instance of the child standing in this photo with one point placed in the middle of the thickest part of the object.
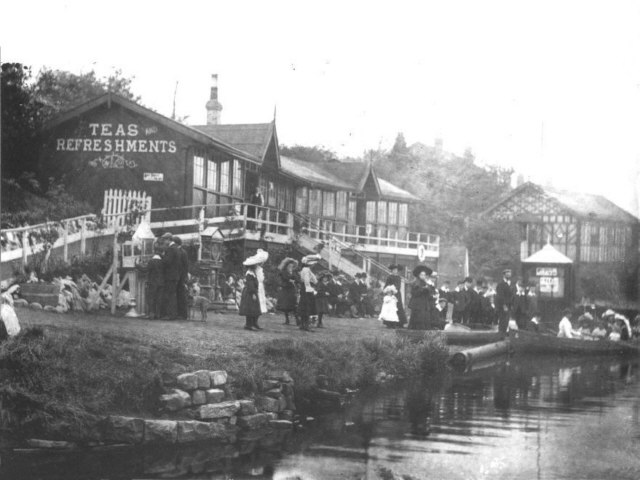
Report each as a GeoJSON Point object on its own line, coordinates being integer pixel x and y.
{"type": "Point", "coordinates": [389, 311]}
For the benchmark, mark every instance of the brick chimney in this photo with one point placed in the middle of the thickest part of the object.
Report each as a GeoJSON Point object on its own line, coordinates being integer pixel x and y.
{"type": "Point", "coordinates": [214, 107]}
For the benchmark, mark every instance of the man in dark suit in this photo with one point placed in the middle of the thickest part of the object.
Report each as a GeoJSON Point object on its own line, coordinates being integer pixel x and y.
{"type": "Point", "coordinates": [155, 286]}
{"type": "Point", "coordinates": [503, 300]}
{"type": "Point", "coordinates": [471, 303]}
{"type": "Point", "coordinates": [356, 290]}
{"type": "Point", "coordinates": [181, 289]}
{"type": "Point", "coordinates": [171, 273]}
{"type": "Point", "coordinates": [520, 306]}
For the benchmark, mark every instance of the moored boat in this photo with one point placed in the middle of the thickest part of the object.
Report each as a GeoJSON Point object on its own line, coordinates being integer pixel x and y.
{"type": "Point", "coordinates": [454, 337]}
{"type": "Point", "coordinates": [530, 342]}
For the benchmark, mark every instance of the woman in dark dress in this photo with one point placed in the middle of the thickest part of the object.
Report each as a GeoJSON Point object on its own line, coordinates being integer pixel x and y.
{"type": "Point", "coordinates": [323, 294]}
{"type": "Point", "coordinates": [396, 280]}
{"type": "Point", "coordinates": [423, 315]}
{"type": "Point", "coordinates": [287, 293]}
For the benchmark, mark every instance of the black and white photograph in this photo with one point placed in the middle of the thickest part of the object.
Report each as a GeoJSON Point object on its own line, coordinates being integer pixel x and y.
{"type": "Point", "coordinates": [338, 240]}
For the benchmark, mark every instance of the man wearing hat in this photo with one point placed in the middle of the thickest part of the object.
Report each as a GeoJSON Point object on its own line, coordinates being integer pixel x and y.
{"type": "Point", "coordinates": [356, 292]}
{"type": "Point", "coordinates": [396, 280]}
{"type": "Point", "coordinates": [171, 273]}
{"type": "Point", "coordinates": [503, 300]}
{"type": "Point", "coordinates": [442, 308]}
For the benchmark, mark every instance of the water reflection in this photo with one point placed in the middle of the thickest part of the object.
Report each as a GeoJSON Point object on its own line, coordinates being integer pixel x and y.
{"type": "Point", "coordinates": [524, 418]}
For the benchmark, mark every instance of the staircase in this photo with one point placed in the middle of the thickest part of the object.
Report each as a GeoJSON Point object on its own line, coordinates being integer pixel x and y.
{"type": "Point", "coordinates": [330, 255]}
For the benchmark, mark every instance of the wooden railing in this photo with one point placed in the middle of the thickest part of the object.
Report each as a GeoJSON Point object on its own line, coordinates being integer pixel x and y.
{"type": "Point", "coordinates": [356, 235]}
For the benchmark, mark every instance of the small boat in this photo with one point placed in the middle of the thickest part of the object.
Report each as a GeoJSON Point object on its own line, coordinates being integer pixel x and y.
{"type": "Point", "coordinates": [455, 336]}
{"type": "Point", "coordinates": [524, 341]}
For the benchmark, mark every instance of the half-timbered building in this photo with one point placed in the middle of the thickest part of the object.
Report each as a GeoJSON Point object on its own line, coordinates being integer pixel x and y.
{"type": "Point", "coordinates": [597, 235]}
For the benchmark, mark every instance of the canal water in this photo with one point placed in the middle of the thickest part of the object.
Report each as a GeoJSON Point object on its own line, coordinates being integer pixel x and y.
{"type": "Point", "coordinates": [528, 418]}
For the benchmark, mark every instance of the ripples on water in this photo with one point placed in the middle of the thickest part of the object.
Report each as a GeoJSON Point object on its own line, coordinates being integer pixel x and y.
{"type": "Point", "coordinates": [529, 418]}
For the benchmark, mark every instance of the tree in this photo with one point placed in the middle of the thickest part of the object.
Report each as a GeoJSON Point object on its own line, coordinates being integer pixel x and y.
{"type": "Point", "coordinates": [400, 145]}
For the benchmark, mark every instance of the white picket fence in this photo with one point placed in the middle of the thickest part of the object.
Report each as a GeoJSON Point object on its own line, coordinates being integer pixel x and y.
{"type": "Point", "coordinates": [117, 202]}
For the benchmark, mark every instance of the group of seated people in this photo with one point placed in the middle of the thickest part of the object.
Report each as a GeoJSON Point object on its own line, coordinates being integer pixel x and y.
{"type": "Point", "coordinates": [611, 326]}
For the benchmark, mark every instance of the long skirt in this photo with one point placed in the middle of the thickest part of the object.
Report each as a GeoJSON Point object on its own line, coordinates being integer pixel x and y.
{"type": "Point", "coordinates": [307, 306]}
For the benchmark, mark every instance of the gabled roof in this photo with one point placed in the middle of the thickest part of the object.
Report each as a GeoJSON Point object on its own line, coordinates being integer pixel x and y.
{"type": "Point", "coordinates": [548, 254]}
{"type": "Point", "coordinates": [112, 98]}
{"type": "Point", "coordinates": [583, 205]}
{"type": "Point", "coordinates": [350, 176]}
{"type": "Point", "coordinates": [313, 173]}
{"type": "Point", "coordinates": [252, 138]}
{"type": "Point", "coordinates": [389, 190]}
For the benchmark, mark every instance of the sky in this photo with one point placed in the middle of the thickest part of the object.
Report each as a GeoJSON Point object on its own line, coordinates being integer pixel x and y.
{"type": "Point", "coordinates": [549, 88]}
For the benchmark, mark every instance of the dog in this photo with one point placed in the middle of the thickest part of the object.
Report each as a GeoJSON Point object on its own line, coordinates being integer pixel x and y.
{"type": "Point", "coordinates": [197, 302]}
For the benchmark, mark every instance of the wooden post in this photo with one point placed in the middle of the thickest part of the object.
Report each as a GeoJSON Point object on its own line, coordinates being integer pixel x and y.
{"type": "Point", "coordinates": [83, 236]}
{"type": "Point", "coordinates": [25, 244]}
{"type": "Point", "coordinates": [65, 246]}
{"type": "Point", "coordinates": [114, 266]}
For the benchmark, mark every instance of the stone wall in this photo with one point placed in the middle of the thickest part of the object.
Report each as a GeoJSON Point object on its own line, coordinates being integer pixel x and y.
{"type": "Point", "coordinates": [201, 406]}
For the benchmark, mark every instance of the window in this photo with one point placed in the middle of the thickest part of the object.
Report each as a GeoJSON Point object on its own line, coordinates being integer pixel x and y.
{"type": "Point", "coordinates": [328, 204]}
{"type": "Point", "coordinates": [595, 236]}
{"type": "Point", "coordinates": [282, 197]}
{"type": "Point", "coordinates": [212, 199]}
{"type": "Point", "coordinates": [341, 205]}
{"type": "Point", "coordinates": [314, 202]}
{"type": "Point", "coordinates": [237, 178]}
{"type": "Point", "coordinates": [271, 194]}
{"type": "Point", "coordinates": [302, 200]}
{"type": "Point", "coordinates": [403, 214]}
{"type": "Point", "coordinates": [224, 177]}
{"type": "Point", "coordinates": [351, 217]}
{"type": "Point", "coordinates": [371, 212]}
{"type": "Point", "coordinates": [198, 197]}
{"type": "Point", "coordinates": [198, 171]}
{"type": "Point", "coordinates": [393, 213]}
{"type": "Point", "coordinates": [212, 175]}
{"type": "Point", "coordinates": [382, 212]}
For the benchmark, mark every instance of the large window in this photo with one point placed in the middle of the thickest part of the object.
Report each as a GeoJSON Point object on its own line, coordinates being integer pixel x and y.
{"type": "Point", "coordinates": [328, 204]}
{"type": "Point", "coordinates": [212, 175]}
{"type": "Point", "coordinates": [341, 205]}
{"type": "Point", "coordinates": [371, 212]}
{"type": "Point", "coordinates": [224, 177]}
{"type": "Point", "coordinates": [237, 178]}
{"type": "Point", "coordinates": [302, 201]}
{"type": "Point", "coordinates": [282, 197]}
{"type": "Point", "coordinates": [403, 214]}
{"type": "Point", "coordinates": [382, 212]}
{"type": "Point", "coordinates": [198, 196]}
{"type": "Point", "coordinates": [198, 171]}
{"type": "Point", "coordinates": [393, 213]}
{"type": "Point", "coordinates": [314, 202]}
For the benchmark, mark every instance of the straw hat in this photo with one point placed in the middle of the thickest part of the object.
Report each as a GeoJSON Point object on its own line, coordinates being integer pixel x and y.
{"type": "Point", "coordinates": [311, 259]}
{"type": "Point", "coordinates": [260, 257]}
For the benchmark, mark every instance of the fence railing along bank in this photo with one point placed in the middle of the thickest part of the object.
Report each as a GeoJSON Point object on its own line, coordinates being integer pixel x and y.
{"type": "Point", "coordinates": [237, 220]}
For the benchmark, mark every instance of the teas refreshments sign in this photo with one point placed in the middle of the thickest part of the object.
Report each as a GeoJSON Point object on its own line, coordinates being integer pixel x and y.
{"type": "Point", "coordinates": [115, 140]}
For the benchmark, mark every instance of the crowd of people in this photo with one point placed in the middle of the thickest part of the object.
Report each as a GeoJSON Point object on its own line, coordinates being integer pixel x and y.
{"type": "Point", "coordinates": [610, 325]}
{"type": "Point", "coordinates": [167, 278]}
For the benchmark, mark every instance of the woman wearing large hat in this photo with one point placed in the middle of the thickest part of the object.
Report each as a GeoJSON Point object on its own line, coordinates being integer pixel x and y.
{"type": "Point", "coordinates": [307, 307]}
{"type": "Point", "coordinates": [254, 301]}
{"type": "Point", "coordinates": [287, 293]}
{"type": "Point", "coordinates": [396, 280]}
{"type": "Point", "coordinates": [423, 314]}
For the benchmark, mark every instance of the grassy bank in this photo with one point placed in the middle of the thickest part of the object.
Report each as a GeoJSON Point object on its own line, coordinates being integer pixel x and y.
{"type": "Point", "coordinates": [59, 377]}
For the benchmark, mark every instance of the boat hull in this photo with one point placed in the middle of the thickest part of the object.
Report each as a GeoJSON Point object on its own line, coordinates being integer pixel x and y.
{"type": "Point", "coordinates": [473, 337]}
{"type": "Point", "coordinates": [523, 341]}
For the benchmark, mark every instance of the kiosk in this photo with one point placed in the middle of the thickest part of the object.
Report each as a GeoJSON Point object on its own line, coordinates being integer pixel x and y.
{"type": "Point", "coordinates": [548, 273]}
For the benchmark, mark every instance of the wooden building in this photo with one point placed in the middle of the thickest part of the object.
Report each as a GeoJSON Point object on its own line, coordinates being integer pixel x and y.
{"type": "Point", "coordinates": [204, 175]}
{"type": "Point", "coordinates": [597, 235]}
